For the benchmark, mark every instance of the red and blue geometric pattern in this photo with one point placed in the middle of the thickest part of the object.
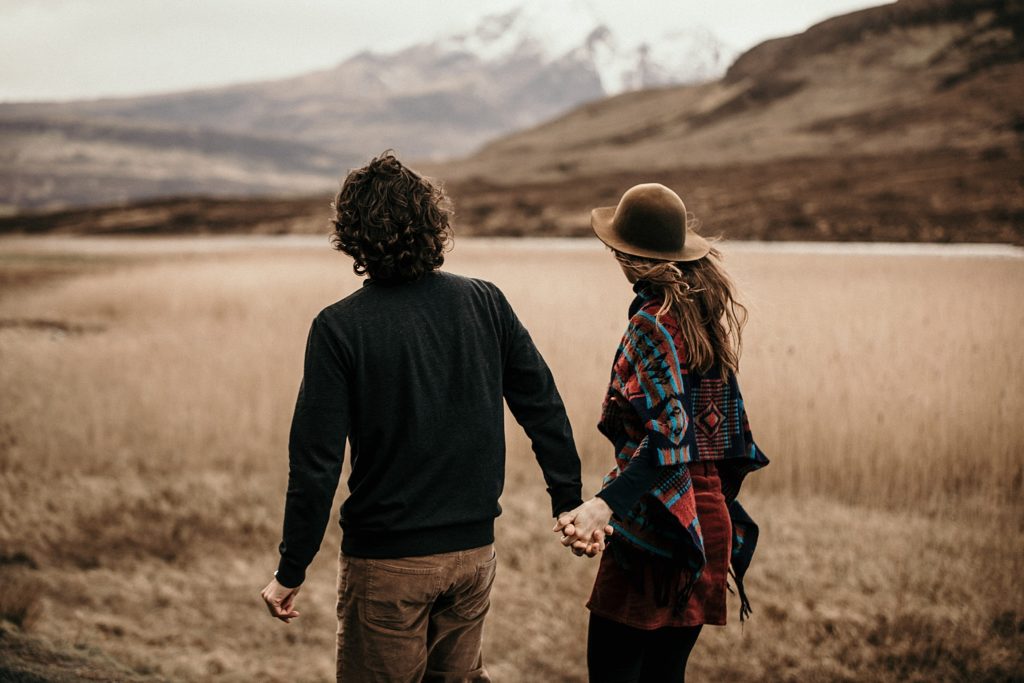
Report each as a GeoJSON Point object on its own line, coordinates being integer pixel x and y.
{"type": "Point", "coordinates": [656, 406]}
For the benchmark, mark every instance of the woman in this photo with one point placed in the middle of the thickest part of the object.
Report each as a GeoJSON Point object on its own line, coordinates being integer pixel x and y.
{"type": "Point", "coordinates": [674, 412]}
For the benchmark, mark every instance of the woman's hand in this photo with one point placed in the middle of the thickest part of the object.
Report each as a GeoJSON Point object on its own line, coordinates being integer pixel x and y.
{"type": "Point", "coordinates": [585, 528]}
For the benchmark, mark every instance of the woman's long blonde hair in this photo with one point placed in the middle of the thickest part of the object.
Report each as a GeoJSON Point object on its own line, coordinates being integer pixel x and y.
{"type": "Point", "coordinates": [700, 294]}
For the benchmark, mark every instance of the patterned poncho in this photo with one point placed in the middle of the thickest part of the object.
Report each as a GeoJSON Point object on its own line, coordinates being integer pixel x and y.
{"type": "Point", "coordinates": [659, 409]}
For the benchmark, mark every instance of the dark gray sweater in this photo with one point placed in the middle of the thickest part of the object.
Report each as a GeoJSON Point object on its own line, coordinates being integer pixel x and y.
{"type": "Point", "coordinates": [413, 376]}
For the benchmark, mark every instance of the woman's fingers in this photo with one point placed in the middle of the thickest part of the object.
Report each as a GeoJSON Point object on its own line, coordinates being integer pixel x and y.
{"type": "Point", "coordinates": [584, 529]}
{"type": "Point", "coordinates": [564, 519]}
{"type": "Point", "coordinates": [573, 533]}
{"type": "Point", "coordinates": [579, 535]}
{"type": "Point", "coordinates": [596, 543]}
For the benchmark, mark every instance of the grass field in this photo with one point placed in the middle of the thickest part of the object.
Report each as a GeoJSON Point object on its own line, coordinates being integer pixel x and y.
{"type": "Point", "coordinates": [146, 389]}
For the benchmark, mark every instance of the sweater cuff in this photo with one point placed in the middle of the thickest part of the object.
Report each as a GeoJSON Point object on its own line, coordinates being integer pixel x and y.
{"type": "Point", "coordinates": [565, 498]}
{"type": "Point", "coordinates": [619, 500]}
{"type": "Point", "coordinates": [289, 573]}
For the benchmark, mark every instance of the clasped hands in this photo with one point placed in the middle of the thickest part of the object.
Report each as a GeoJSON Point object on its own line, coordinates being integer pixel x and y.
{"type": "Point", "coordinates": [585, 529]}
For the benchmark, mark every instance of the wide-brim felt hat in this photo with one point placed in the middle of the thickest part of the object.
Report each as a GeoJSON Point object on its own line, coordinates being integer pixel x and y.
{"type": "Point", "coordinates": [649, 221]}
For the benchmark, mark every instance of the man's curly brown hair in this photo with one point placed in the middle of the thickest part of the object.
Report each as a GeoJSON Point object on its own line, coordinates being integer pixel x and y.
{"type": "Point", "coordinates": [391, 220]}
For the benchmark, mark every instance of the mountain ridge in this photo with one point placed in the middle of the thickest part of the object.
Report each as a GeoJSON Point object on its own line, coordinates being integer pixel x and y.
{"type": "Point", "coordinates": [436, 99]}
{"type": "Point", "coordinates": [915, 75]}
{"type": "Point", "coordinates": [909, 128]}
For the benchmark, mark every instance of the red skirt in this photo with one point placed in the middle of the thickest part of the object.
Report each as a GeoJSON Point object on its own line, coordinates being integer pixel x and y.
{"type": "Point", "coordinates": [615, 596]}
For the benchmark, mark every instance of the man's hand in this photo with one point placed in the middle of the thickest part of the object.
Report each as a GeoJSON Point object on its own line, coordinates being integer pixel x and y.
{"type": "Point", "coordinates": [280, 600]}
{"type": "Point", "coordinates": [584, 529]}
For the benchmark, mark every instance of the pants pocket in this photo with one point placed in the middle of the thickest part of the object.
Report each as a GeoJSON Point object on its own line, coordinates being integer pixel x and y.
{"type": "Point", "coordinates": [474, 601]}
{"type": "Point", "coordinates": [399, 593]}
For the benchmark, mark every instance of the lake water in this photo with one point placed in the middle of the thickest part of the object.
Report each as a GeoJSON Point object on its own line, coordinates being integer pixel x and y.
{"type": "Point", "coordinates": [226, 243]}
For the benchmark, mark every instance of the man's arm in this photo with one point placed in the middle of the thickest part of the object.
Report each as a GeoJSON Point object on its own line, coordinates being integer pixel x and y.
{"type": "Point", "coordinates": [532, 397]}
{"type": "Point", "coordinates": [316, 449]}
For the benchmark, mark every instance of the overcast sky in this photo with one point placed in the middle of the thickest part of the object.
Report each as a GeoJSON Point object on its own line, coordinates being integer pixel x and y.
{"type": "Point", "coordinates": [68, 49]}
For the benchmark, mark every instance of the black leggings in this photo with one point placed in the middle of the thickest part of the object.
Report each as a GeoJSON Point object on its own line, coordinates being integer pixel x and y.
{"type": "Point", "coordinates": [617, 653]}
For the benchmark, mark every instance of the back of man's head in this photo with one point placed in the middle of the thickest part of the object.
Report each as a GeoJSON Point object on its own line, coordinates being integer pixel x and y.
{"type": "Point", "coordinates": [391, 221]}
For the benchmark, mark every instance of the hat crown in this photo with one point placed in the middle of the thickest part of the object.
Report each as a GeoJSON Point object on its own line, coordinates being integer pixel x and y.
{"type": "Point", "coordinates": [651, 216]}
{"type": "Point", "coordinates": [649, 221]}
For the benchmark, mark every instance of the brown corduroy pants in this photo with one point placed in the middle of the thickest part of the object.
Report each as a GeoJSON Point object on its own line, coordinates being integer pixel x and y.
{"type": "Point", "coordinates": [414, 619]}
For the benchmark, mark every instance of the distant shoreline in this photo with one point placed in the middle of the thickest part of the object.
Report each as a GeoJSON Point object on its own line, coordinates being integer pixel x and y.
{"type": "Point", "coordinates": [223, 243]}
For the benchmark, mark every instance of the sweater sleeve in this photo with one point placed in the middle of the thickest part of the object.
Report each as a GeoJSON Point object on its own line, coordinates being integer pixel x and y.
{"type": "Point", "coordinates": [531, 394]}
{"type": "Point", "coordinates": [647, 380]}
{"type": "Point", "coordinates": [316, 450]}
{"type": "Point", "coordinates": [636, 479]}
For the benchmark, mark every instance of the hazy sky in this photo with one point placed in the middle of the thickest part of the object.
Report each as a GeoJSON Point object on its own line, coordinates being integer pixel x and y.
{"type": "Point", "coordinates": [65, 49]}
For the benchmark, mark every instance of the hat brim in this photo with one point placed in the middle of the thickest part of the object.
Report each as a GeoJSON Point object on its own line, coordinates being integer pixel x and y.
{"type": "Point", "coordinates": [695, 247]}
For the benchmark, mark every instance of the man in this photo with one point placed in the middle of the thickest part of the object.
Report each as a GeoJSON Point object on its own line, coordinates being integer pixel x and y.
{"type": "Point", "coordinates": [412, 368]}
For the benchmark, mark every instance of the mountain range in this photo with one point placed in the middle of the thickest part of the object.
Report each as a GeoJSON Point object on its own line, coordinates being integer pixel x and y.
{"type": "Point", "coordinates": [434, 100]}
{"type": "Point", "coordinates": [903, 122]}
{"type": "Point", "coordinates": [898, 122]}
{"type": "Point", "coordinates": [914, 75]}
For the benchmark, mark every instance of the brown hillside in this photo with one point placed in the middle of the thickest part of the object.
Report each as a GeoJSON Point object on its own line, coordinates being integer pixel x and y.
{"type": "Point", "coordinates": [920, 75]}
{"type": "Point", "coordinates": [903, 122]}
{"type": "Point", "coordinates": [938, 197]}
{"type": "Point", "coordinates": [56, 161]}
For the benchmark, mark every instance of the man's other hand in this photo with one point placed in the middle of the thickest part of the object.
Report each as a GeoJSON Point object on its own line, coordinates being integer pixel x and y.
{"type": "Point", "coordinates": [280, 600]}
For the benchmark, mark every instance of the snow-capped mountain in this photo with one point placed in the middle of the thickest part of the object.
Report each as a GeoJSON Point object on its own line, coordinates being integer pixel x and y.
{"type": "Point", "coordinates": [434, 100]}
{"type": "Point", "coordinates": [550, 32]}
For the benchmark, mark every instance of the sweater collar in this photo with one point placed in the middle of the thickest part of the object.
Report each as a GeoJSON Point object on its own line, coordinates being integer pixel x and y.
{"type": "Point", "coordinates": [368, 281]}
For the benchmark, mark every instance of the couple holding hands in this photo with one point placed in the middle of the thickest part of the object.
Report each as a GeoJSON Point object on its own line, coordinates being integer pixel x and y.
{"type": "Point", "coordinates": [413, 370]}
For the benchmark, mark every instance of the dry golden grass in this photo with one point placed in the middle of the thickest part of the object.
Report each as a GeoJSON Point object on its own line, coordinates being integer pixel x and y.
{"type": "Point", "coordinates": [144, 409]}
